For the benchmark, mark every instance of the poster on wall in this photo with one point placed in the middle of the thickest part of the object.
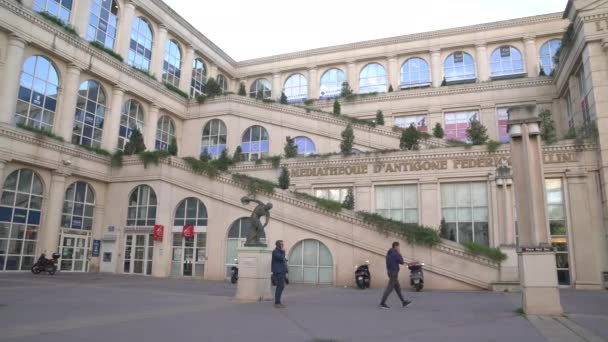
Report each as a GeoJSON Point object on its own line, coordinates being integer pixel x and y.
{"type": "Point", "coordinates": [96, 248]}
{"type": "Point", "coordinates": [188, 231]}
{"type": "Point", "coordinates": [158, 232]}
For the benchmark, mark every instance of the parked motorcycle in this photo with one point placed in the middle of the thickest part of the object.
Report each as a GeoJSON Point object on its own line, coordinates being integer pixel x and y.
{"type": "Point", "coordinates": [46, 265]}
{"type": "Point", "coordinates": [234, 273]}
{"type": "Point", "coordinates": [416, 275]}
{"type": "Point", "coordinates": [363, 278]}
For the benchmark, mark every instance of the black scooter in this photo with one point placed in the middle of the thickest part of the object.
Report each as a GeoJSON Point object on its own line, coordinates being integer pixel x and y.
{"type": "Point", "coordinates": [416, 275]}
{"type": "Point", "coordinates": [363, 278]}
{"type": "Point", "coordinates": [46, 265]}
{"type": "Point", "coordinates": [234, 273]}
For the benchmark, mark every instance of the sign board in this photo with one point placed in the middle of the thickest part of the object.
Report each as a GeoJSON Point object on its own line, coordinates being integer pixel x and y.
{"type": "Point", "coordinates": [96, 248]}
{"type": "Point", "coordinates": [158, 232]}
{"type": "Point", "coordinates": [111, 229]}
{"type": "Point", "coordinates": [188, 231]}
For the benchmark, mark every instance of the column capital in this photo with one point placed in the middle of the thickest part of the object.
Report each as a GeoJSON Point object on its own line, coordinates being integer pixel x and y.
{"type": "Point", "coordinates": [162, 27]}
{"type": "Point", "coordinates": [16, 40]}
{"type": "Point", "coordinates": [529, 38]}
{"type": "Point", "coordinates": [59, 175]}
{"type": "Point", "coordinates": [276, 74]}
{"type": "Point", "coordinates": [130, 4]}
{"type": "Point", "coordinates": [190, 49]}
{"type": "Point", "coordinates": [312, 68]}
{"type": "Point", "coordinates": [118, 90]}
{"type": "Point", "coordinates": [480, 44]}
{"type": "Point", "coordinates": [74, 68]}
{"type": "Point", "coordinates": [154, 108]}
{"type": "Point", "coordinates": [391, 58]}
{"type": "Point", "coordinates": [435, 50]}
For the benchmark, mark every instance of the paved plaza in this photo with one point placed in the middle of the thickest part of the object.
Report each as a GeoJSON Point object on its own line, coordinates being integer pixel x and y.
{"type": "Point", "coordinates": [95, 307]}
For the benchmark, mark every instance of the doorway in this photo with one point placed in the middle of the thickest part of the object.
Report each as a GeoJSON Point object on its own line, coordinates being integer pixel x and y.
{"type": "Point", "coordinates": [189, 255]}
{"type": "Point", "coordinates": [138, 254]}
{"type": "Point", "coordinates": [74, 253]}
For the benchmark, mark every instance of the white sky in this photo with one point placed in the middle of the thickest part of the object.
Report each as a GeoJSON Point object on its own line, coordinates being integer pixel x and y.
{"type": "Point", "coordinates": [248, 29]}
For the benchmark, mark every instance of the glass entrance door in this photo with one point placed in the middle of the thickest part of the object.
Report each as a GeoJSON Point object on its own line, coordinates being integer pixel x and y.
{"type": "Point", "coordinates": [188, 255]}
{"type": "Point", "coordinates": [138, 253]}
{"type": "Point", "coordinates": [74, 253]}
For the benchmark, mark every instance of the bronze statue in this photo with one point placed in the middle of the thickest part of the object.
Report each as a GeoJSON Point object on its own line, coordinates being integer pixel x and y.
{"type": "Point", "coordinates": [253, 240]}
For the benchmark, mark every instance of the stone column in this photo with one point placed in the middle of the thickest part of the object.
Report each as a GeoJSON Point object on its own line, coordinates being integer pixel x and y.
{"type": "Point", "coordinates": [151, 122]}
{"type": "Point", "coordinates": [352, 77]}
{"type": "Point", "coordinates": [64, 120]}
{"type": "Point", "coordinates": [488, 117]}
{"type": "Point", "coordinates": [363, 195]}
{"type": "Point", "coordinates": [80, 16]}
{"type": "Point", "coordinates": [161, 258]}
{"type": "Point", "coordinates": [52, 229]}
{"type": "Point", "coordinates": [482, 63]}
{"type": "Point", "coordinates": [212, 71]}
{"type": "Point", "coordinates": [536, 259]}
{"type": "Point", "coordinates": [532, 60]}
{"type": "Point", "coordinates": [435, 116]}
{"type": "Point", "coordinates": [277, 89]}
{"type": "Point", "coordinates": [158, 52]}
{"type": "Point", "coordinates": [184, 81]}
{"type": "Point", "coordinates": [9, 86]}
{"type": "Point", "coordinates": [393, 73]}
{"type": "Point", "coordinates": [97, 234]}
{"type": "Point", "coordinates": [111, 125]}
{"type": "Point", "coordinates": [429, 193]}
{"type": "Point", "coordinates": [436, 68]}
{"type": "Point", "coordinates": [125, 25]}
{"type": "Point", "coordinates": [506, 227]}
{"type": "Point", "coordinates": [313, 83]}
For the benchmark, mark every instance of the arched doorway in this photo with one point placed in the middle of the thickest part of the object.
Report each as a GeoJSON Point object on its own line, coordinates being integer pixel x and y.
{"type": "Point", "coordinates": [310, 262]}
{"type": "Point", "coordinates": [189, 239]}
{"type": "Point", "coordinates": [237, 235]}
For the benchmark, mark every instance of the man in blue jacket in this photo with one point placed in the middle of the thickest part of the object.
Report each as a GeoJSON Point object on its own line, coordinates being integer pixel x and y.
{"type": "Point", "coordinates": [279, 268]}
{"type": "Point", "coordinates": [393, 260]}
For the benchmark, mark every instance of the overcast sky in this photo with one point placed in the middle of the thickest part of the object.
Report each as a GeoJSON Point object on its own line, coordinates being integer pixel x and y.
{"type": "Point", "coordinates": [248, 29]}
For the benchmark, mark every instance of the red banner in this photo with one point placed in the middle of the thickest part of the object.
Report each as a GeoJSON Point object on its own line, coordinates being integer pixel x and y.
{"type": "Point", "coordinates": [158, 232]}
{"type": "Point", "coordinates": [188, 231]}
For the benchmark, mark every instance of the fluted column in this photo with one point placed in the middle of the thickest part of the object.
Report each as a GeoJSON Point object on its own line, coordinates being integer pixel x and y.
{"type": "Point", "coordinates": [125, 25]}
{"type": "Point", "coordinates": [393, 73]}
{"type": "Point", "coordinates": [111, 125]}
{"type": "Point", "coordinates": [276, 86]}
{"type": "Point", "coordinates": [65, 116]}
{"type": "Point", "coordinates": [436, 68]}
{"type": "Point", "coordinates": [158, 52]}
{"type": "Point", "coordinates": [313, 83]}
{"type": "Point", "coordinates": [52, 229]}
{"type": "Point", "coordinates": [532, 61]}
{"type": "Point", "coordinates": [184, 81]}
{"type": "Point", "coordinates": [353, 77]}
{"type": "Point", "coordinates": [80, 16]}
{"type": "Point", "coordinates": [150, 128]}
{"type": "Point", "coordinates": [482, 62]}
{"type": "Point", "coordinates": [10, 79]}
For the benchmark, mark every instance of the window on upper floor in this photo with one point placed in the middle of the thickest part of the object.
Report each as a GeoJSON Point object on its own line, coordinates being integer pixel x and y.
{"type": "Point", "coordinates": [419, 121]}
{"type": "Point", "coordinates": [415, 72]}
{"type": "Point", "coordinates": [58, 8]}
{"type": "Point", "coordinates": [372, 79]}
{"type": "Point", "coordinates": [140, 48]}
{"type": "Point", "coordinates": [38, 88]}
{"type": "Point", "coordinates": [132, 117]}
{"type": "Point", "coordinates": [305, 146]}
{"type": "Point", "coordinates": [165, 133]}
{"type": "Point", "coordinates": [397, 202]}
{"type": "Point", "coordinates": [331, 83]}
{"type": "Point", "coordinates": [547, 55]}
{"type": "Point", "coordinates": [260, 89]}
{"type": "Point", "coordinates": [223, 82]}
{"type": "Point", "coordinates": [199, 78]}
{"type": "Point", "coordinates": [457, 123]}
{"type": "Point", "coordinates": [214, 138]}
{"type": "Point", "coordinates": [172, 63]}
{"type": "Point", "coordinates": [506, 61]}
{"type": "Point", "coordinates": [255, 143]}
{"type": "Point", "coordinates": [90, 114]}
{"type": "Point", "coordinates": [190, 212]}
{"type": "Point", "coordinates": [103, 22]}
{"type": "Point", "coordinates": [458, 67]}
{"type": "Point", "coordinates": [296, 88]}
{"type": "Point", "coordinates": [141, 211]}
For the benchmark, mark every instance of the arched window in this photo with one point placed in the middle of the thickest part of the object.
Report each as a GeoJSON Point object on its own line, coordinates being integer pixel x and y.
{"type": "Point", "coordinates": [59, 8]}
{"type": "Point", "coordinates": [142, 207]}
{"type": "Point", "coordinates": [37, 99]}
{"type": "Point", "coordinates": [506, 60]}
{"type": "Point", "coordinates": [103, 22]}
{"type": "Point", "coordinates": [214, 138]}
{"type": "Point", "coordinates": [296, 88]}
{"type": "Point", "coordinates": [547, 55]}
{"type": "Point", "coordinates": [140, 51]}
{"type": "Point", "coordinates": [261, 89]}
{"type": "Point", "coordinates": [237, 235]}
{"type": "Point", "coordinates": [311, 262]}
{"type": "Point", "coordinates": [199, 78]}
{"type": "Point", "coordinates": [223, 82]}
{"type": "Point", "coordinates": [165, 133]}
{"type": "Point", "coordinates": [331, 83]}
{"type": "Point", "coordinates": [191, 212]}
{"type": "Point", "coordinates": [459, 66]}
{"type": "Point", "coordinates": [189, 252]}
{"type": "Point", "coordinates": [415, 72]}
{"type": "Point", "coordinates": [372, 79]}
{"type": "Point", "coordinates": [20, 212]}
{"type": "Point", "coordinates": [173, 63]}
{"type": "Point", "coordinates": [78, 207]}
{"type": "Point", "coordinates": [255, 143]}
{"type": "Point", "coordinates": [132, 117]}
{"type": "Point", "coordinates": [305, 146]}
{"type": "Point", "coordinates": [90, 114]}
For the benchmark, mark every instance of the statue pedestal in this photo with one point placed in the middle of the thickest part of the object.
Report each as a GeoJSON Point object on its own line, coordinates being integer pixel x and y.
{"type": "Point", "coordinates": [254, 274]}
{"type": "Point", "coordinates": [539, 283]}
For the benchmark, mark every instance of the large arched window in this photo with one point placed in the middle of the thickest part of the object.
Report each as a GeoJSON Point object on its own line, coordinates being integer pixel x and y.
{"type": "Point", "coordinates": [20, 212]}
{"type": "Point", "coordinates": [415, 72]}
{"type": "Point", "coordinates": [305, 146]}
{"type": "Point", "coordinates": [173, 63]}
{"type": "Point", "coordinates": [37, 99]}
{"type": "Point", "coordinates": [214, 138]}
{"type": "Point", "coordinates": [189, 252]}
{"type": "Point", "coordinates": [132, 117]}
{"type": "Point", "coordinates": [459, 66]}
{"type": "Point", "coordinates": [372, 79]}
{"type": "Point", "coordinates": [255, 143]}
{"type": "Point", "coordinates": [311, 262]}
{"type": "Point", "coordinates": [260, 89]}
{"type": "Point", "coordinates": [140, 51]}
{"type": "Point", "coordinates": [191, 212]}
{"type": "Point", "coordinates": [547, 55]}
{"type": "Point", "coordinates": [103, 22]}
{"type": "Point", "coordinates": [223, 82]}
{"type": "Point", "coordinates": [142, 207]}
{"type": "Point", "coordinates": [296, 88]}
{"type": "Point", "coordinates": [165, 133]}
{"type": "Point", "coordinates": [78, 207]}
{"type": "Point", "coordinates": [505, 61]}
{"type": "Point", "coordinates": [199, 78]}
{"type": "Point", "coordinates": [59, 8]}
{"type": "Point", "coordinates": [90, 114]}
{"type": "Point", "coordinates": [331, 83]}
{"type": "Point", "coordinates": [237, 235]}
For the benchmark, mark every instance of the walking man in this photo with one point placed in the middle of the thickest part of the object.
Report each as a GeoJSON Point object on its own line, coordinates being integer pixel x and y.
{"type": "Point", "coordinates": [393, 260]}
{"type": "Point", "coordinates": [279, 268]}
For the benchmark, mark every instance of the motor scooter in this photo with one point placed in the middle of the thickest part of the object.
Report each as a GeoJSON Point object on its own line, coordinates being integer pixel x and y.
{"type": "Point", "coordinates": [363, 278]}
{"type": "Point", "coordinates": [46, 265]}
{"type": "Point", "coordinates": [416, 275]}
{"type": "Point", "coordinates": [234, 272]}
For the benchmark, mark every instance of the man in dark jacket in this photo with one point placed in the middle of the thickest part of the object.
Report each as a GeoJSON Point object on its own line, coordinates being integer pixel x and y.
{"type": "Point", "coordinates": [393, 260]}
{"type": "Point", "coordinates": [279, 268]}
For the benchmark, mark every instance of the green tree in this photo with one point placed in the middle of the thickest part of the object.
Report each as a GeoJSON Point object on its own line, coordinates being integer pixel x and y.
{"type": "Point", "coordinates": [438, 131]}
{"type": "Point", "coordinates": [284, 178]}
{"type": "Point", "coordinates": [242, 90]}
{"type": "Point", "coordinates": [283, 98]}
{"type": "Point", "coordinates": [379, 118]}
{"type": "Point", "coordinates": [223, 162]}
{"type": "Point", "coordinates": [213, 88]}
{"type": "Point", "coordinates": [291, 149]}
{"type": "Point", "coordinates": [205, 156]}
{"type": "Point", "coordinates": [337, 107]}
{"type": "Point", "coordinates": [390, 88]}
{"type": "Point", "coordinates": [172, 149]}
{"type": "Point", "coordinates": [542, 71]}
{"type": "Point", "coordinates": [259, 95]}
{"type": "Point", "coordinates": [547, 127]}
{"type": "Point", "coordinates": [410, 139]}
{"type": "Point", "coordinates": [348, 140]}
{"type": "Point", "coordinates": [445, 232]}
{"type": "Point", "coordinates": [238, 154]}
{"type": "Point", "coordinates": [477, 133]}
{"type": "Point", "coordinates": [346, 90]}
{"type": "Point", "coordinates": [136, 143]}
{"type": "Point", "coordinates": [349, 200]}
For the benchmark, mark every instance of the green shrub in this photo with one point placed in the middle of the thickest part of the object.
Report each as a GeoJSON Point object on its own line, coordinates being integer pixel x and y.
{"type": "Point", "coordinates": [284, 179]}
{"type": "Point", "coordinates": [103, 48]}
{"type": "Point", "coordinates": [547, 127]}
{"type": "Point", "coordinates": [290, 149]}
{"type": "Point", "coordinates": [410, 139]}
{"type": "Point", "coordinates": [96, 150]}
{"type": "Point", "coordinates": [283, 98]}
{"type": "Point", "coordinates": [145, 72]}
{"type": "Point", "coordinates": [458, 143]}
{"type": "Point", "coordinates": [205, 156]}
{"type": "Point", "coordinates": [213, 88]}
{"type": "Point", "coordinates": [203, 167]}
{"type": "Point", "coordinates": [390, 88]}
{"type": "Point", "coordinates": [325, 204]}
{"type": "Point", "coordinates": [238, 154]}
{"type": "Point", "coordinates": [438, 131]}
{"type": "Point", "coordinates": [493, 146]}
{"type": "Point", "coordinates": [493, 253]}
{"type": "Point", "coordinates": [349, 200]}
{"type": "Point", "coordinates": [40, 131]}
{"type": "Point", "coordinates": [242, 90]}
{"type": "Point", "coordinates": [348, 140]}
{"type": "Point", "coordinates": [135, 145]}
{"type": "Point", "coordinates": [275, 161]}
{"type": "Point", "coordinates": [153, 157]}
{"type": "Point", "coordinates": [254, 185]}
{"type": "Point", "coordinates": [346, 91]}
{"type": "Point", "coordinates": [309, 102]}
{"type": "Point", "coordinates": [116, 160]}
{"type": "Point", "coordinates": [337, 108]}
{"type": "Point", "coordinates": [223, 162]}
{"type": "Point", "coordinates": [176, 90]}
{"type": "Point", "coordinates": [477, 133]}
{"type": "Point", "coordinates": [414, 234]}
{"type": "Point", "coordinates": [379, 118]}
{"type": "Point", "coordinates": [57, 21]}
{"type": "Point", "coordinates": [172, 149]}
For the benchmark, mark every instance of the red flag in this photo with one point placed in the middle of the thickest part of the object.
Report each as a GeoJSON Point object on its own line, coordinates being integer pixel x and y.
{"type": "Point", "coordinates": [158, 232]}
{"type": "Point", "coordinates": [188, 231]}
